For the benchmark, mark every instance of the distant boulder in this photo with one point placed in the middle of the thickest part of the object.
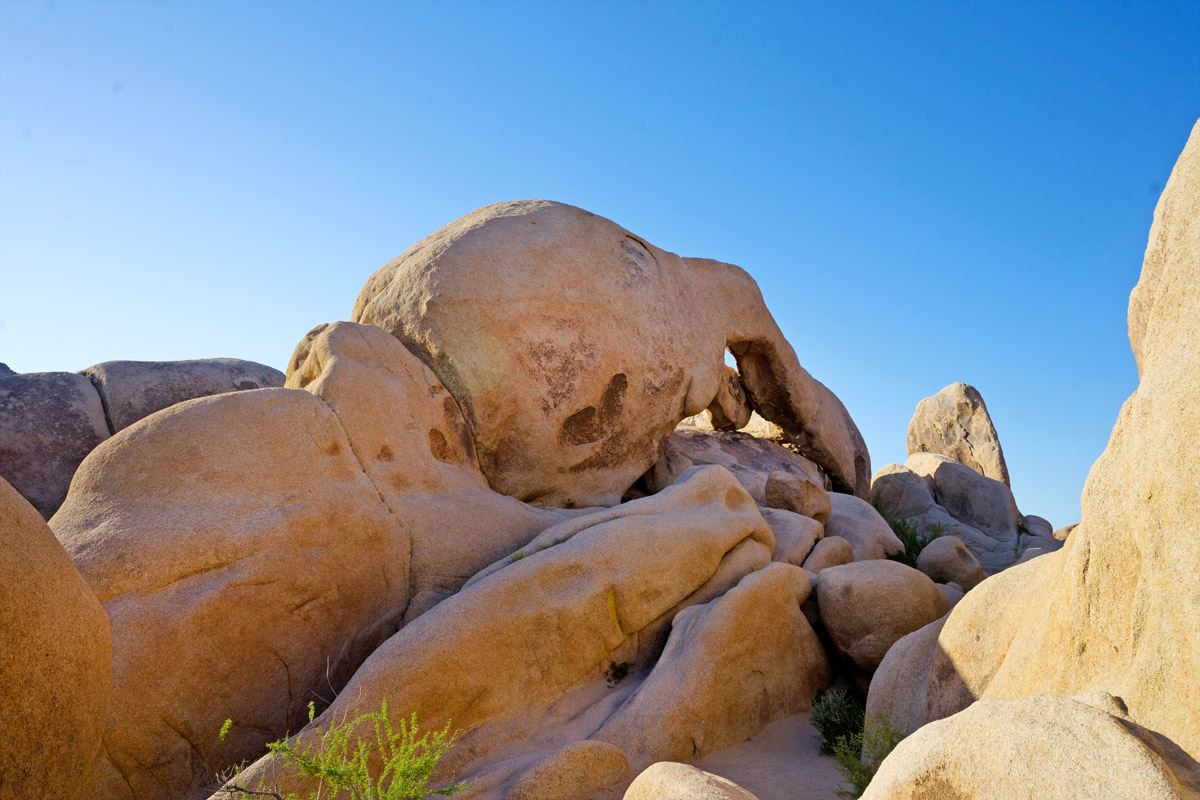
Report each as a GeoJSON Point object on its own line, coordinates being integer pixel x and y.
{"type": "Point", "coordinates": [955, 423]}
{"type": "Point", "coordinates": [132, 390]}
{"type": "Point", "coordinates": [48, 422]}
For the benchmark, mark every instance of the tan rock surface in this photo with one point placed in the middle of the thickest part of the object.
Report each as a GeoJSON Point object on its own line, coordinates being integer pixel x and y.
{"type": "Point", "coordinates": [246, 564]}
{"type": "Point", "coordinates": [859, 523]}
{"type": "Point", "coordinates": [579, 769]}
{"type": "Point", "coordinates": [829, 552]}
{"type": "Point", "coordinates": [868, 605]}
{"type": "Point", "coordinates": [668, 780]}
{"type": "Point", "coordinates": [795, 535]}
{"type": "Point", "coordinates": [490, 657]}
{"type": "Point", "coordinates": [799, 494]}
{"type": "Point", "coordinates": [253, 548]}
{"type": "Point", "coordinates": [131, 390]}
{"type": "Point", "coordinates": [730, 667]}
{"type": "Point", "coordinates": [570, 395]}
{"type": "Point", "coordinates": [944, 667]}
{"type": "Point", "coordinates": [55, 660]}
{"type": "Point", "coordinates": [1116, 608]}
{"type": "Point", "coordinates": [1038, 746]}
{"type": "Point", "coordinates": [409, 436]}
{"type": "Point", "coordinates": [752, 461]}
{"type": "Point", "coordinates": [979, 510]}
{"type": "Point", "coordinates": [48, 422]}
{"type": "Point", "coordinates": [947, 560]}
{"type": "Point", "coordinates": [955, 423]}
{"type": "Point", "coordinates": [729, 410]}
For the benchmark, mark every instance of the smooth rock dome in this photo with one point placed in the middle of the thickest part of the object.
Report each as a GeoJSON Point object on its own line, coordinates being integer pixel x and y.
{"type": "Point", "coordinates": [574, 347]}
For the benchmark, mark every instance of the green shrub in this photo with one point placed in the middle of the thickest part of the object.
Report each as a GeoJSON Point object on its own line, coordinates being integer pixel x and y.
{"type": "Point", "coordinates": [908, 532]}
{"type": "Point", "coordinates": [616, 672]}
{"type": "Point", "coordinates": [859, 755]}
{"type": "Point", "coordinates": [340, 757]}
{"type": "Point", "coordinates": [836, 715]}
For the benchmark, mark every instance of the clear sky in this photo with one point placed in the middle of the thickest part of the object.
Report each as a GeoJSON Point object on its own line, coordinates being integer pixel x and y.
{"type": "Point", "coordinates": [925, 192]}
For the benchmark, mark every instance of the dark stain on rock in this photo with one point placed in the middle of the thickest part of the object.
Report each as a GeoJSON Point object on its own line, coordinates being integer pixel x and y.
{"type": "Point", "coordinates": [333, 449]}
{"type": "Point", "coordinates": [595, 422]}
{"type": "Point", "coordinates": [385, 454]}
{"type": "Point", "coordinates": [558, 367]}
{"type": "Point", "coordinates": [440, 447]}
{"type": "Point", "coordinates": [460, 434]}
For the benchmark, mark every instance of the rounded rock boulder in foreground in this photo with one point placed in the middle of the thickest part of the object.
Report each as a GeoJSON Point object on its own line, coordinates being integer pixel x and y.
{"type": "Point", "coordinates": [55, 663]}
{"type": "Point", "coordinates": [1052, 748]}
{"type": "Point", "coordinates": [574, 347]}
{"type": "Point", "coordinates": [669, 780]}
{"type": "Point", "coordinates": [868, 606]}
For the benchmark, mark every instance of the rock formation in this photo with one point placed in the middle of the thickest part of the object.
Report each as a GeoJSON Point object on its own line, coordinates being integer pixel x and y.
{"type": "Point", "coordinates": [1057, 748]}
{"type": "Point", "coordinates": [50, 420]}
{"type": "Point", "coordinates": [497, 657]}
{"type": "Point", "coordinates": [955, 423]}
{"type": "Point", "coordinates": [267, 542]}
{"type": "Point", "coordinates": [574, 347]}
{"type": "Point", "coordinates": [55, 663]}
{"type": "Point", "coordinates": [1115, 609]}
{"type": "Point", "coordinates": [670, 780]}
{"type": "Point", "coordinates": [476, 504]}
{"type": "Point", "coordinates": [869, 605]}
{"type": "Point", "coordinates": [131, 390]}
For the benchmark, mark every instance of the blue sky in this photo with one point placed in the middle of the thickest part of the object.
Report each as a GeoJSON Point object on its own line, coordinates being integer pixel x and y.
{"type": "Point", "coordinates": [925, 192]}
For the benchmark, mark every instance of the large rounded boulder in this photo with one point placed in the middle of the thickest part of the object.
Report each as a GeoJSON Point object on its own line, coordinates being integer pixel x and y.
{"type": "Point", "coordinates": [574, 347]}
{"type": "Point", "coordinates": [55, 660]}
{"type": "Point", "coordinates": [868, 606]}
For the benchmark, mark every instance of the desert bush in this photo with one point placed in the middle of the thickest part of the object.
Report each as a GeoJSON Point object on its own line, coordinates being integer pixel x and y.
{"type": "Point", "coordinates": [908, 532]}
{"type": "Point", "coordinates": [858, 755]}
{"type": "Point", "coordinates": [836, 715]}
{"type": "Point", "coordinates": [339, 760]}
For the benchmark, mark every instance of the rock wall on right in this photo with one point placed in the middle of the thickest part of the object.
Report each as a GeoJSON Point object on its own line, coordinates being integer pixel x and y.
{"type": "Point", "coordinates": [1117, 609]}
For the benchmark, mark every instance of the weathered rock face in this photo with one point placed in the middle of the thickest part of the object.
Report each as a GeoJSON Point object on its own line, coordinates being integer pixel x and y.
{"type": "Point", "coordinates": [868, 606]}
{"type": "Point", "coordinates": [251, 549]}
{"type": "Point", "coordinates": [752, 460]}
{"type": "Point", "coordinates": [569, 396]}
{"type": "Point", "coordinates": [494, 656]}
{"type": "Point", "coordinates": [411, 440]}
{"type": "Point", "coordinates": [578, 770]}
{"type": "Point", "coordinates": [942, 495]}
{"type": "Point", "coordinates": [942, 668]}
{"type": "Point", "coordinates": [48, 422]}
{"type": "Point", "coordinates": [831, 551]}
{"type": "Point", "coordinates": [1116, 608]}
{"type": "Point", "coordinates": [947, 560]}
{"type": "Point", "coordinates": [55, 662]}
{"type": "Point", "coordinates": [795, 534]}
{"type": "Point", "coordinates": [955, 423]}
{"type": "Point", "coordinates": [670, 780]}
{"type": "Point", "coordinates": [1047, 747]}
{"type": "Point", "coordinates": [859, 523]}
{"type": "Point", "coordinates": [240, 553]}
{"type": "Point", "coordinates": [730, 667]}
{"type": "Point", "coordinates": [131, 390]}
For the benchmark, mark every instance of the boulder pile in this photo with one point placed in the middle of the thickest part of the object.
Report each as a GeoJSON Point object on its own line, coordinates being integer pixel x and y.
{"type": "Point", "coordinates": [522, 496]}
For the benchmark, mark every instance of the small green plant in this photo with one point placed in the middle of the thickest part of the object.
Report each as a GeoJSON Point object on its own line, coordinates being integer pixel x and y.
{"type": "Point", "coordinates": [858, 755]}
{"type": "Point", "coordinates": [836, 715]}
{"type": "Point", "coordinates": [908, 532]}
{"type": "Point", "coordinates": [617, 672]}
{"type": "Point", "coordinates": [340, 757]}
